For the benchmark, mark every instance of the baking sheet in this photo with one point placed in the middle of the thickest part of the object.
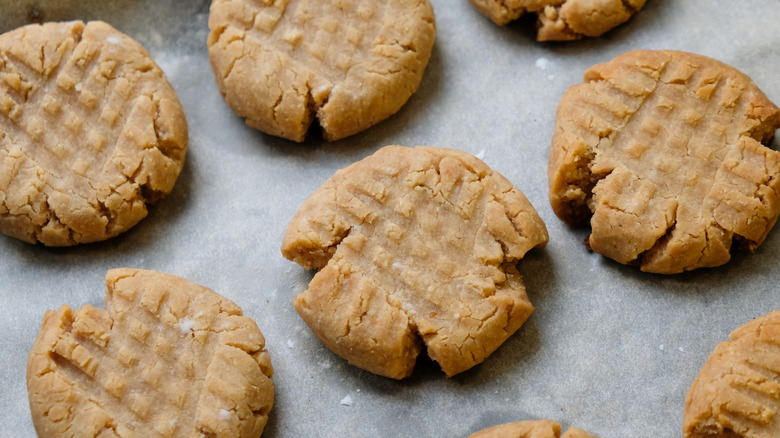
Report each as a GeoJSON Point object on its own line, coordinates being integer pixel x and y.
{"type": "Point", "coordinates": [609, 349]}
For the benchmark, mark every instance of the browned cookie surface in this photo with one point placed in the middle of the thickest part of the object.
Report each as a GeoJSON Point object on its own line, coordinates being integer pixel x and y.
{"type": "Point", "coordinates": [348, 63]}
{"type": "Point", "coordinates": [414, 246]}
{"type": "Point", "coordinates": [530, 429]}
{"type": "Point", "coordinates": [737, 391]}
{"type": "Point", "coordinates": [90, 132]}
{"type": "Point", "coordinates": [562, 20]}
{"type": "Point", "coordinates": [661, 152]}
{"type": "Point", "coordinates": [167, 358]}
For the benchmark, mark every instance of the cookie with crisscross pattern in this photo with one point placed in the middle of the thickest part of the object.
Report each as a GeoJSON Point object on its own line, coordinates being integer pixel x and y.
{"type": "Point", "coordinates": [661, 152]}
{"type": "Point", "coordinates": [563, 20]}
{"type": "Point", "coordinates": [349, 64]}
{"type": "Point", "coordinates": [166, 358]}
{"type": "Point", "coordinates": [90, 132]}
{"type": "Point", "coordinates": [417, 250]}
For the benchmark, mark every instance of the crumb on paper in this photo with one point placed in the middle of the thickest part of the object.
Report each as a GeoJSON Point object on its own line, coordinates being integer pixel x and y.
{"type": "Point", "coordinates": [661, 347]}
{"type": "Point", "coordinates": [542, 63]}
{"type": "Point", "coordinates": [290, 343]}
{"type": "Point", "coordinates": [346, 401]}
{"type": "Point", "coordinates": [325, 364]}
{"type": "Point", "coordinates": [681, 349]}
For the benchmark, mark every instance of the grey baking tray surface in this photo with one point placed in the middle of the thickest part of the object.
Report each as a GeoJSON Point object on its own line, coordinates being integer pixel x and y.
{"type": "Point", "coordinates": [609, 349]}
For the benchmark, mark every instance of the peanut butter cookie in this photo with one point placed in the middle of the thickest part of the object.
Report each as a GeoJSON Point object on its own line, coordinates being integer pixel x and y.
{"type": "Point", "coordinates": [349, 63]}
{"type": "Point", "coordinates": [414, 246]}
{"type": "Point", "coordinates": [661, 152]}
{"type": "Point", "coordinates": [737, 391]}
{"type": "Point", "coordinates": [166, 358]}
{"type": "Point", "coordinates": [530, 429]}
{"type": "Point", "coordinates": [563, 20]}
{"type": "Point", "coordinates": [90, 132]}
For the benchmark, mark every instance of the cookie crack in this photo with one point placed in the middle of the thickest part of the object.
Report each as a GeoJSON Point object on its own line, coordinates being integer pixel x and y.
{"type": "Point", "coordinates": [24, 71]}
{"type": "Point", "coordinates": [51, 217]}
{"type": "Point", "coordinates": [43, 63]}
{"type": "Point", "coordinates": [233, 61]}
{"type": "Point", "coordinates": [661, 242]}
{"type": "Point", "coordinates": [165, 145]}
{"type": "Point", "coordinates": [629, 7]}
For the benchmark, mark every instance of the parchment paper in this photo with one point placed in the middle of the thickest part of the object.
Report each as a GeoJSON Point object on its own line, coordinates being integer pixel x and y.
{"type": "Point", "coordinates": [609, 349]}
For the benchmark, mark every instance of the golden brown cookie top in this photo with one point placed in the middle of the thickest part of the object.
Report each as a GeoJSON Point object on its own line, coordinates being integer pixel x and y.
{"type": "Point", "coordinates": [166, 358]}
{"type": "Point", "coordinates": [661, 151]}
{"type": "Point", "coordinates": [414, 245]}
{"type": "Point", "coordinates": [563, 20]}
{"type": "Point", "coordinates": [90, 131]}
{"type": "Point", "coordinates": [530, 429]}
{"type": "Point", "coordinates": [349, 64]}
{"type": "Point", "coordinates": [737, 391]}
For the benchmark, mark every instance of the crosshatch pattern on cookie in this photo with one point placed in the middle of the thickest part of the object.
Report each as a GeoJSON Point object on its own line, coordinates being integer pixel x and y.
{"type": "Point", "coordinates": [661, 151]}
{"type": "Point", "coordinates": [347, 63]}
{"type": "Point", "coordinates": [737, 391]}
{"type": "Point", "coordinates": [415, 246]}
{"type": "Point", "coordinates": [90, 131]}
{"type": "Point", "coordinates": [167, 357]}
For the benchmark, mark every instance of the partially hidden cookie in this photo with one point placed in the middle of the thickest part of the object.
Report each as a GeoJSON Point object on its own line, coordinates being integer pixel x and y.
{"type": "Point", "coordinates": [416, 250]}
{"type": "Point", "coordinates": [167, 358]}
{"type": "Point", "coordinates": [348, 64]}
{"type": "Point", "coordinates": [660, 151]}
{"type": "Point", "coordinates": [737, 391]}
{"type": "Point", "coordinates": [530, 429]}
{"type": "Point", "coordinates": [90, 132]}
{"type": "Point", "coordinates": [563, 20]}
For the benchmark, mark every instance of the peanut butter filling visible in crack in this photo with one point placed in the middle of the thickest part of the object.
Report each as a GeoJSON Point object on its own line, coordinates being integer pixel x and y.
{"type": "Point", "coordinates": [415, 247]}
{"type": "Point", "coordinates": [737, 391]}
{"type": "Point", "coordinates": [530, 429]}
{"type": "Point", "coordinates": [167, 358]}
{"type": "Point", "coordinates": [563, 20]}
{"type": "Point", "coordinates": [350, 64]}
{"type": "Point", "coordinates": [661, 151]}
{"type": "Point", "coordinates": [90, 132]}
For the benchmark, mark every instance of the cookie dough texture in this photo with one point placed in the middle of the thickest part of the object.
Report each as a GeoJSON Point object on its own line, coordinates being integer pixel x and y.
{"type": "Point", "coordinates": [349, 63]}
{"type": "Point", "coordinates": [563, 20]}
{"type": "Point", "coordinates": [737, 391]}
{"type": "Point", "coordinates": [530, 429]}
{"type": "Point", "coordinates": [661, 151]}
{"type": "Point", "coordinates": [416, 249]}
{"type": "Point", "coordinates": [167, 358]}
{"type": "Point", "coordinates": [90, 132]}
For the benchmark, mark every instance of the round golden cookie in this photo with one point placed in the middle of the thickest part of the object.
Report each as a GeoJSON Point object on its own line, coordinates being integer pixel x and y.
{"type": "Point", "coordinates": [563, 20]}
{"type": "Point", "coordinates": [737, 391]}
{"type": "Point", "coordinates": [349, 63]}
{"type": "Point", "coordinates": [414, 246]}
{"type": "Point", "coordinates": [90, 132]}
{"type": "Point", "coordinates": [530, 429]}
{"type": "Point", "coordinates": [167, 358]}
{"type": "Point", "coordinates": [661, 151]}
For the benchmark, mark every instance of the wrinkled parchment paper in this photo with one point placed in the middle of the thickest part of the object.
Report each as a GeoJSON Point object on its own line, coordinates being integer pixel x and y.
{"type": "Point", "coordinates": [609, 349]}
